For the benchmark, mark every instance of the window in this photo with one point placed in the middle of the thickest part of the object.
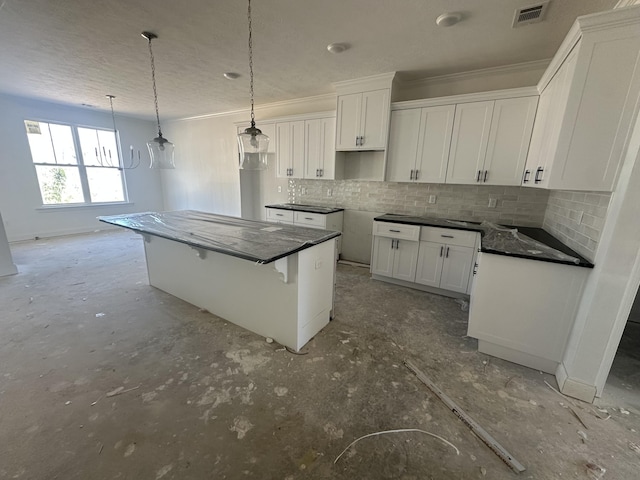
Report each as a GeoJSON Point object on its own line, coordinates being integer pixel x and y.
{"type": "Point", "coordinates": [75, 165]}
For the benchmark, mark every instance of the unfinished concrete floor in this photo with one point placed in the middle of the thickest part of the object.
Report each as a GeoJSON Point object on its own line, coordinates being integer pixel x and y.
{"type": "Point", "coordinates": [201, 398]}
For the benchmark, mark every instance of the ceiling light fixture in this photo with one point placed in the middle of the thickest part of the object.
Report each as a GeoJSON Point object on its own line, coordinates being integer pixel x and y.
{"type": "Point", "coordinates": [252, 143]}
{"type": "Point", "coordinates": [337, 47]}
{"type": "Point", "coordinates": [132, 162]}
{"type": "Point", "coordinates": [160, 149]}
{"type": "Point", "coordinates": [448, 19]}
{"type": "Point", "coordinates": [231, 75]}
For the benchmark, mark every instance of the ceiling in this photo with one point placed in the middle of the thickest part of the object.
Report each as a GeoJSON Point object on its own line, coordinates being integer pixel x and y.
{"type": "Point", "coordinates": [77, 51]}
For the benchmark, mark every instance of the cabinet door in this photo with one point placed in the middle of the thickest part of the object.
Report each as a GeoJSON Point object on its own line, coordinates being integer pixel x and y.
{"type": "Point", "coordinates": [283, 149]}
{"type": "Point", "coordinates": [313, 148]}
{"type": "Point", "coordinates": [436, 127]}
{"type": "Point", "coordinates": [430, 256]}
{"type": "Point", "coordinates": [509, 138]}
{"type": "Point", "coordinates": [538, 145]}
{"type": "Point", "coordinates": [469, 142]}
{"type": "Point", "coordinates": [327, 148]}
{"type": "Point", "coordinates": [297, 149]}
{"type": "Point", "coordinates": [382, 256]}
{"type": "Point", "coordinates": [348, 121]}
{"type": "Point", "coordinates": [456, 268]}
{"type": "Point", "coordinates": [403, 145]}
{"type": "Point", "coordinates": [374, 120]}
{"type": "Point", "coordinates": [405, 260]}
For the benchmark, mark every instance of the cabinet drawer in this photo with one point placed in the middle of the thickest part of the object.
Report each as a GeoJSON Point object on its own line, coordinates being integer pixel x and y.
{"type": "Point", "coordinates": [307, 219]}
{"type": "Point", "coordinates": [449, 236]}
{"type": "Point", "coordinates": [396, 230]}
{"type": "Point", "coordinates": [277, 215]}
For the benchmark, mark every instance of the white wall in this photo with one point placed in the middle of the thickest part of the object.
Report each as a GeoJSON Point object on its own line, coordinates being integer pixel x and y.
{"type": "Point", "coordinates": [20, 199]}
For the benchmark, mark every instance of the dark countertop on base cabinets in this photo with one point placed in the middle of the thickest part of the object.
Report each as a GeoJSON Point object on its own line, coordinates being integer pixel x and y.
{"type": "Point", "coordinates": [305, 208]}
{"type": "Point", "coordinates": [523, 242]}
{"type": "Point", "coordinates": [260, 242]}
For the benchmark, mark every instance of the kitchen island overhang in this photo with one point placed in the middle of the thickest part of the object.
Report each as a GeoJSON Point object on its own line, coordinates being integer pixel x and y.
{"type": "Point", "coordinates": [274, 280]}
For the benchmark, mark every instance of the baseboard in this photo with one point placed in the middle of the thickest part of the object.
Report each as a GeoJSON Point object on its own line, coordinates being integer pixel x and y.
{"type": "Point", "coordinates": [60, 233]}
{"type": "Point", "coordinates": [574, 388]}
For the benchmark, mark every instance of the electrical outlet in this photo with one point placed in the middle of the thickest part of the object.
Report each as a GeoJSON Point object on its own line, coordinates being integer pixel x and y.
{"type": "Point", "coordinates": [492, 203]}
{"type": "Point", "coordinates": [279, 188]}
{"type": "Point", "coordinates": [329, 192]}
{"type": "Point", "coordinates": [432, 199]}
{"type": "Point", "coordinates": [303, 190]}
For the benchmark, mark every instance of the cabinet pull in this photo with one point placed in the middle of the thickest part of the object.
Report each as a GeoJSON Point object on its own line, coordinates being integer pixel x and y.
{"type": "Point", "coordinates": [537, 178]}
{"type": "Point", "coordinates": [478, 177]}
{"type": "Point", "coordinates": [475, 268]}
{"type": "Point", "coordinates": [441, 250]}
{"type": "Point", "coordinates": [361, 141]}
{"type": "Point", "coordinates": [279, 215]}
{"type": "Point", "coordinates": [357, 141]}
{"type": "Point", "coordinates": [394, 231]}
{"type": "Point", "coordinates": [527, 174]}
{"type": "Point", "coordinates": [447, 254]}
{"type": "Point", "coordinates": [411, 176]}
{"type": "Point", "coordinates": [322, 172]}
{"type": "Point", "coordinates": [416, 174]}
{"type": "Point", "coordinates": [308, 218]}
{"type": "Point", "coordinates": [486, 172]}
{"type": "Point", "coordinates": [446, 236]}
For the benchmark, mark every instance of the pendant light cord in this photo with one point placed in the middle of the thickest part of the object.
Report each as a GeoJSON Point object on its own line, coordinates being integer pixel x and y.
{"type": "Point", "coordinates": [155, 92]}
{"type": "Point", "coordinates": [113, 115]}
{"type": "Point", "coordinates": [253, 120]}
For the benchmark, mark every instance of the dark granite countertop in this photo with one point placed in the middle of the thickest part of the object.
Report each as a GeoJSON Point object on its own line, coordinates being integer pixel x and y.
{"type": "Point", "coordinates": [305, 208]}
{"type": "Point", "coordinates": [523, 242]}
{"type": "Point", "coordinates": [261, 242]}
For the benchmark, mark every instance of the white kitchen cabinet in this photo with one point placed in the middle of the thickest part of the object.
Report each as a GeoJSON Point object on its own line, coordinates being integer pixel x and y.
{"type": "Point", "coordinates": [419, 142]}
{"type": "Point", "coordinates": [395, 250]}
{"type": "Point", "coordinates": [290, 149]}
{"type": "Point", "coordinates": [490, 141]}
{"type": "Point", "coordinates": [446, 258]}
{"type": "Point", "coordinates": [523, 310]}
{"type": "Point", "coordinates": [319, 158]}
{"type": "Point", "coordinates": [509, 138]}
{"type": "Point", "coordinates": [362, 120]}
{"type": "Point", "coordinates": [595, 84]}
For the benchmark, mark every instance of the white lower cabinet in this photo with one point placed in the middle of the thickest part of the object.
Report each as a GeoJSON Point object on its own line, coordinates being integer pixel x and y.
{"type": "Point", "coordinates": [442, 259]}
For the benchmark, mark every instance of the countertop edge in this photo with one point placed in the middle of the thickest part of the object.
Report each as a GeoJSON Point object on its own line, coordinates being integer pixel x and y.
{"type": "Point", "coordinates": [301, 208]}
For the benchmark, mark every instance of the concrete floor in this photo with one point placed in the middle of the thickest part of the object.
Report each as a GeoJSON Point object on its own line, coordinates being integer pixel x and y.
{"type": "Point", "coordinates": [211, 400]}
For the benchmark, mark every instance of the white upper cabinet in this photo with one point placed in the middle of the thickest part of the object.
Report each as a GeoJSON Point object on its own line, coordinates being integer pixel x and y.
{"type": "Point", "coordinates": [471, 128]}
{"type": "Point", "coordinates": [363, 120]}
{"type": "Point", "coordinates": [320, 148]}
{"type": "Point", "coordinates": [290, 149]}
{"type": "Point", "coordinates": [490, 141]}
{"type": "Point", "coordinates": [419, 141]}
{"type": "Point", "coordinates": [592, 88]}
{"type": "Point", "coordinates": [511, 126]}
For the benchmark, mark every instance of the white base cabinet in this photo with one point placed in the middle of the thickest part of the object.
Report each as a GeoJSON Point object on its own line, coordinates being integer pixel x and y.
{"type": "Point", "coordinates": [427, 258]}
{"type": "Point", "coordinates": [523, 310]}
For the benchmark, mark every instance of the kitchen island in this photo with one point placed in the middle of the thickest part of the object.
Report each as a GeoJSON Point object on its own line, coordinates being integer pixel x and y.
{"type": "Point", "coordinates": [274, 280]}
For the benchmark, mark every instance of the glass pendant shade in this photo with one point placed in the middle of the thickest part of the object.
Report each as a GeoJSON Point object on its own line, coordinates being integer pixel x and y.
{"type": "Point", "coordinates": [253, 146]}
{"type": "Point", "coordinates": [161, 153]}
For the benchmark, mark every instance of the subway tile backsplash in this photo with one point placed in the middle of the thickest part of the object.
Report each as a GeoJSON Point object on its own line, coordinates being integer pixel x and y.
{"type": "Point", "coordinates": [577, 219]}
{"type": "Point", "coordinates": [513, 205]}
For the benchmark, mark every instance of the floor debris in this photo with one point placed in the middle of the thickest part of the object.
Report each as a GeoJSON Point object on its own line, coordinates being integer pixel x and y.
{"type": "Point", "coordinates": [400, 430]}
{"type": "Point", "coordinates": [480, 432]}
{"type": "Point", "coordinates": [595, 471]}
{"type": "Point", "coordinates": [120, 391]}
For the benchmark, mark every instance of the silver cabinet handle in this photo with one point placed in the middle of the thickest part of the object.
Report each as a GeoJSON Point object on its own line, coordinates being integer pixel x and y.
{"type": "Point", "coordinates": [446, 236]}
{"type": "Point", "coordinates": [527, 174]}
{"type": "Point", "coordinates": [411, 175]}
{"type": "Point", "coordinates": [394, 231]}
{"type": "Point", "coordinates": [486, 172]}
{"type": "Point", "coordinates": [478, 177]}
{"type": "Point", "coordinates": [279, 215]}
{"type": "Point", "coordinates": [447, 254]}
{"type": "Point", "coordinates": [308, 218]}
{"type": "Point", "coordinates": [357, 141]}
{"type": "Point", "coordinates": [416, 174]}
{"type": "Point", "coordinates": [441, 250]}
{"type": "Point", "coordinates": [361, 141]}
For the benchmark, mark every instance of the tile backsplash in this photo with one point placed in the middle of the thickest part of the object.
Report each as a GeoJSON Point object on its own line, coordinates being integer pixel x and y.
{"type": "Point", "coordinates": [577, 219]}
{"type": "Point", "coordinates": [513, 205]}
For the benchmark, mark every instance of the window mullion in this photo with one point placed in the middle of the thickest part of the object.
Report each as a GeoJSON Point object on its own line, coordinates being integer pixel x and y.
{"type": "Point", "coordinates": [82, 170]}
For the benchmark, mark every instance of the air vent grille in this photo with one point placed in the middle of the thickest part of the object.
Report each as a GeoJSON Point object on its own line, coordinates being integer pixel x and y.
{"type": "Point", "coordinates": [530, 14]}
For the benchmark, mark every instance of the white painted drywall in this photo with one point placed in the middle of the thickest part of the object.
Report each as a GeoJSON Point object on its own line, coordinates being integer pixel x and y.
{"type": "Point", "coordinates": [7, 267]}
{"type": "Point", "coordinates": [20, 199]}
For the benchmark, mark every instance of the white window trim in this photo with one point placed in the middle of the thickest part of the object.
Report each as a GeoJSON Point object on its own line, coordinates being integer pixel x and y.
{"type": "Point", "coordinates": [82, 169]}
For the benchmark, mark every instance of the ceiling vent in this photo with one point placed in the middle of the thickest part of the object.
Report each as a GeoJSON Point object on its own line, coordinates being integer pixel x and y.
{"type": "Point", "coordinates": [530, 14]}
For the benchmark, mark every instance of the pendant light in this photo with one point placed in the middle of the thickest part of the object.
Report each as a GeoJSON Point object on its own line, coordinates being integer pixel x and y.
{"type": "Point", "coordinates": [121, 164]}
{"type": "Point", "coordinates": [252, 143]}
{"type": "Point", "coordinates": [160, 149]}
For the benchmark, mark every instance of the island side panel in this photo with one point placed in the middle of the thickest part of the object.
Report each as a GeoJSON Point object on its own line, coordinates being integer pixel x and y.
{"type": "Point", "coordinates": [250, 295]}
{"type": "Point", "coordinates": [316, 278]}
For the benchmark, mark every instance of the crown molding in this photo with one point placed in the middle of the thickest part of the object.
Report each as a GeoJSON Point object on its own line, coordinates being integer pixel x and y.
{"type": "Point", "coordinates": [472, 74]}
{"type": "Point", "coordinates": [363, 84]}
{"type": "Point", "coordinates": [283, 103]}
{"type": "Point", "coordinates": [467, 98]}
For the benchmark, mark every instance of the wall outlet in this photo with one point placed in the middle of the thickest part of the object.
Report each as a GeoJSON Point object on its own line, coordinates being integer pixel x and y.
{"type": "Point", "coordinates": [303, 190]}
{"type": "Point", "coordinates": [329, 192]}
{"type": "Point", "coordinates": [492, 203]}
{"type": "Point", "coordinates": [432, 199]}
{"type": "Point", "coordinates": [279, 188]}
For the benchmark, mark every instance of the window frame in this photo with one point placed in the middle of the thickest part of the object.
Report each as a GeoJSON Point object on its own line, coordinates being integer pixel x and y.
{"type": "Point", "coordinates": [82, 168]}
